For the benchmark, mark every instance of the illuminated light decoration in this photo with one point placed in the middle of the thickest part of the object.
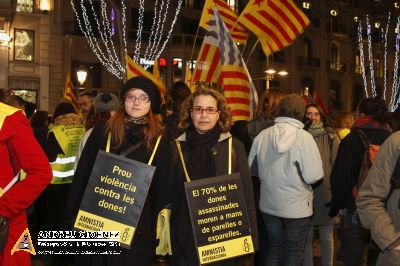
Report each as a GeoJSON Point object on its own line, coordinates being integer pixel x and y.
{"type": "Point", "coordinates": [104, 50]}
{"type": "Point", "coordinates": [306, 5]}
{"type": "Point", "coordinates": [377, 25]}
{"type": "Point", "coordinates": [396, 5]}
{"type": "Point", "coordinates": [138, 42]}
{"type": "Point", "coordinates": [162, 61]}
{"type": "Point", "coordinates": [333, 13]}
{"type": "Point", "coordinates": [371, 58]}
{"type": "Point", "coordinates": [355, 19]}
{"type": "Point", "coordinates": [384, 37]}
{"type": "Point", "coordinates": [112, 22]}
{"type": "Point", "coordinates": [361, 48]}
{"type": "Point", "coordinates": [160, 14]}
{"type": "Point", "coordinates": [394, 101]}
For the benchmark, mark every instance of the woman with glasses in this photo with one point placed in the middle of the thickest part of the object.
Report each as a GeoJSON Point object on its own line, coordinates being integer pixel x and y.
{"type": "Point", "coordinates": [328, 143]}
{"type": "Point", "coordinates": [204, 148]}
{"type": "Point", "coordinates": [134, 130]}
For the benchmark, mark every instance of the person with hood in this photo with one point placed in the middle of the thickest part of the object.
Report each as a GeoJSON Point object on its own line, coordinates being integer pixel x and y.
{"type": "Point", "coordinates": [379, 199]}
{"type": "Point", "coordinates": [134, 131]}
{"type": "Point", "coordinates": [19, 150]}
{"type": "Point", "coordinates": [287, 160]}
{"type": "Point", "coordinates": [371, 122]}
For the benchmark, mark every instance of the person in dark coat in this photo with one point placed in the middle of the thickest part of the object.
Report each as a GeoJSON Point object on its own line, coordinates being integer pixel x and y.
{"type": "Point", "coordinates": [206, 121]}
{"type": "Point", "coordinates": [136, 121]}
{"type": "Point", "coordinates": [372, 120]}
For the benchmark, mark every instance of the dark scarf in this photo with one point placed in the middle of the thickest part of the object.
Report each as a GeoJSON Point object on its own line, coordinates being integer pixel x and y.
{"type": "Point", "coordinates": [366, 121]}
{"type": "Point", "coordinates": [201, 162]}
{"type": "Point", "coordinates": [134, 128]}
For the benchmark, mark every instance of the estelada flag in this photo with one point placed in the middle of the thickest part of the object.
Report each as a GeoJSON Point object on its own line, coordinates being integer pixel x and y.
{"type": "Point", "coordinates": [69, 93]}
{"type": "Point", "coordinates": [133, 70]}
{"type": "Point", "coordinates": [277, 23]}
{"type": "Point", "coordinates": [230, 17]}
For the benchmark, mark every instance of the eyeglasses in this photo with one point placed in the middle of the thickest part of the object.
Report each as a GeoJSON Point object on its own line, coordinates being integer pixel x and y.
{"type": "Point", "coordinates": [310, 114]}
{"type": "Point", "coordinates": [200, 110]}
{"type": "Point", "coordinates": [132, 98]}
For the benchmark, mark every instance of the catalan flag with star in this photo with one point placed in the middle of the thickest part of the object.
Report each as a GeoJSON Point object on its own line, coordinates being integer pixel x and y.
{"type": "Point", "coordinates": [226, 68]}
{"type": "Point", "coordinates": [69, 93]}
{"type": "Point", "coordinates": [275, 22]}
{"type": "Point", "coordinates": [238, 31]}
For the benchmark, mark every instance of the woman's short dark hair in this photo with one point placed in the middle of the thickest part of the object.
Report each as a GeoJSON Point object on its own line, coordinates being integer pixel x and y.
{"type": "Point", "coordinates": [39, 119]}
{"type": "Point", "coordinates": [375, 107]}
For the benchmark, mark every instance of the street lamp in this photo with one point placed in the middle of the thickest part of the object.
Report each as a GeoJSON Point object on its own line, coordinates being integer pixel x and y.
{"type": "Point", "coordinates": [270, 75]}
{"type": "Point", "coordinates": [81, 73]}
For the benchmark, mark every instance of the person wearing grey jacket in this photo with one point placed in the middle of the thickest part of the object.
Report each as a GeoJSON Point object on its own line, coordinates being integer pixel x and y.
{"type": "Point", "coordinates": [374, 194]}
{"type": "Point", "coordinates": [288, 163]}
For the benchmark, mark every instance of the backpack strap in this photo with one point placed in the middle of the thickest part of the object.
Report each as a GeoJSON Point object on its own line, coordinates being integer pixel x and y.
{"type": "Point", "coordinates": [366, 143]}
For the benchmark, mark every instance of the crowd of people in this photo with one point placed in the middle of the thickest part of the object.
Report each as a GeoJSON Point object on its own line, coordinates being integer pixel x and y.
{"type": "Point", "coordinates": [300, 172]}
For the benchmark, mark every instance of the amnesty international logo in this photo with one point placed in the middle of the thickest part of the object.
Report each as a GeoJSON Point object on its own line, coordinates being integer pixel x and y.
{"type": "Point", "coordinates": [24, 243]}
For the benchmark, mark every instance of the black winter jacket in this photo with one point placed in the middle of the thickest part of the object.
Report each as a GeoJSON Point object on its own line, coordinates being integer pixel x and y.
{"type": "Point", "coordinates": [347, 166]}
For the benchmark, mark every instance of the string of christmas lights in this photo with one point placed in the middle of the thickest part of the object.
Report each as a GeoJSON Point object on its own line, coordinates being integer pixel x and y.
{"type": "Point", "coordinates": [156, 43]}
{"type": "Point", "coordinates": [156, 21]}
{"type": "Point", "coordinates": [395, 85]}
{"type": "Point", "coordinates": [362, 62]}
{"type": "Point", "coordinates": [384, 37]}
{"type": "Point", "coordinates": [371, 58]}
{"type": "Point", "coordinates": [138, 45]}
{"type": "Point", "coordinates": [178, 9]}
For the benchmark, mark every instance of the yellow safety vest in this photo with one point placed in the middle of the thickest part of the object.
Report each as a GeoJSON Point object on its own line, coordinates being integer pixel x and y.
{"type": "Point", "coordinates": [6, 110]}
{"type": "Point", "coordinates": [68, 137]}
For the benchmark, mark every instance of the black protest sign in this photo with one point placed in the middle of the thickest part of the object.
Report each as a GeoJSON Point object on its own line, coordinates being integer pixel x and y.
{"type": "Point", "coordinates": [114, 196]}
{"type": "Point", "coordinates": [219, 218]}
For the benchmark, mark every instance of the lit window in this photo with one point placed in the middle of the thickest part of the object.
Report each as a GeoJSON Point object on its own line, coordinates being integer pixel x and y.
{"type": "Point", "coordinates": [25, 6]}
{"type": "Point", "coordinates": [232, 4]}
{"type": "Point", "coordinates": [306, 5]}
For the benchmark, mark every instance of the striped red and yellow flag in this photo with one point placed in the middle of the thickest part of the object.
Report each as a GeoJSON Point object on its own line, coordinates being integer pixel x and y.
{"type": "Point", "coordinates": [69, 93]}
{"type": "Point", "coordinates": [133, 70]}
{"type": "Point", "coordinates": [208, 63]}
{"type": "Point", "coordinates": [230, 17]}
{"type": "Point", "coordinates": [275, 22]}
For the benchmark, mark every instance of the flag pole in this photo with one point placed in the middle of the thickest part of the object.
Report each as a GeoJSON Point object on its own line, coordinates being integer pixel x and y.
{"type": "Point", "coordinates": [194, 43]}
{"type": "Point", "coordinates": [252, 50]}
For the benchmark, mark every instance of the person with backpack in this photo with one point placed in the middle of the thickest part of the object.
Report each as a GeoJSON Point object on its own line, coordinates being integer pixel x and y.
{"type": "Point", "coordinates": [350, 164]}
{"type": "Point", "coordinates": [328, 142]}
{"type": "Point", "coordinates": [378, 204]}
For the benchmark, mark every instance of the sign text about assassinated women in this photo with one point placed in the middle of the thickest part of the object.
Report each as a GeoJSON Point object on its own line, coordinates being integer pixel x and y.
{"type": "Point", "coordinates": [219, 218]}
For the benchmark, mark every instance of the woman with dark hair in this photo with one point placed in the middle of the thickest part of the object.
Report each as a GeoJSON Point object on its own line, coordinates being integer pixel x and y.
{"type": "Point", "coordinates": [178, 93]}
{"type": "Point", "coordinates": [39, 123]}
{"type": "Point", "coordinates": [135, 128]}
{"type": "Point", "coordinates": [19, 150]}
{"type": "Point", "coordinates": [265, 111]}
{"type": "Point", "coordinates": [327, 143]}
{"type": "Point", "coordinates": [204, 153]}
{"type": "Point", "coordinates": [371, 124]}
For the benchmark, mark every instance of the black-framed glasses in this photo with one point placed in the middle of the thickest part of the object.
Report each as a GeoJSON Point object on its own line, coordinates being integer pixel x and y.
{"type": "Point", "coordinates": [142, 98]}
{"type": "Point", "coordinates": [200, 110]}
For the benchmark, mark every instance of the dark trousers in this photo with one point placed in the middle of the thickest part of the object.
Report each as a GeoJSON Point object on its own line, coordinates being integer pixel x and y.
{"type": "Point", "coordinates": [286, 239]}
{"type": "Point", "coordinates": [355, 241]}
